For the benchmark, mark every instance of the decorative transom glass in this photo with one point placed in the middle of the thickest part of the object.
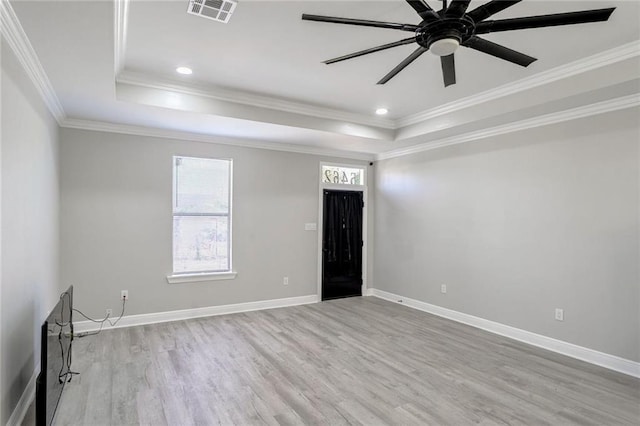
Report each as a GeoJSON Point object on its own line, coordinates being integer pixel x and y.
{"type": "Point", "coordinates": [342, 175]}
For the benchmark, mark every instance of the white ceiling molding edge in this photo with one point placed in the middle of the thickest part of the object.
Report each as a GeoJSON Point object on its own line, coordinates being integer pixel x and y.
{"type": "Point", "coordinates": [558, 117]}
{"type": "Point", "coordinates": [99, 126]}
{"type": "Point", "coordinates": [543, 120]}
{"type": "Point", "coordinates": [583, 65]}
{"type": "Point", "coordinates": [608, 57]}
{"type": "Point", "coordinates": [17, 39]}
{"type": "Point", "coordinates": [121, 12]}
{"type": "Point", "coordinates": [250, 99]}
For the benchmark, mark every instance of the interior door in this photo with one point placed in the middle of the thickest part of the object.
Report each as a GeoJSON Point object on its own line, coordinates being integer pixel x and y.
{"type": "Point", "coordinates": [342, 244]}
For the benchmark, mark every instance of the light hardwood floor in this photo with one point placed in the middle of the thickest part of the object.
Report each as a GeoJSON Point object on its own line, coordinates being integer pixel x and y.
{"type": "Point", "coordinates": [349, 361]}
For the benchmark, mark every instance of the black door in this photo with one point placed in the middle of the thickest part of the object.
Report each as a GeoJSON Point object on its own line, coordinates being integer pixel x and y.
{"type": "Point", "coordinates": [342, 244]}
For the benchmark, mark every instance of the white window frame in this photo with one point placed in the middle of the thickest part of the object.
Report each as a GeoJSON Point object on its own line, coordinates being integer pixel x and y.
{"type": "Point", "coordinates": [189, 277]}
{"type": "Point", "coordinates": [344, 187]}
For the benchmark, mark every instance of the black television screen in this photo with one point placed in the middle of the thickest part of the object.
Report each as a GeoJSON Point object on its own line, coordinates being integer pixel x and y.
{"type": "Point", "coordinates": [55, 358]}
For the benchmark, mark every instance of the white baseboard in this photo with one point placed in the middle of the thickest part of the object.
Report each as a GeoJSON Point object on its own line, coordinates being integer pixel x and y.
{"type": "Point", "coordinates": [142, 319]}
{"type": "Point", "coordinates": [602, 359]}
{"type": "Point", "coordinates": [24, 402]}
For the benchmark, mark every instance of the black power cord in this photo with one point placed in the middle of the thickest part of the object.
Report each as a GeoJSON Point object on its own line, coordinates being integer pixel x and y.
{"type": "Point", "coordinates": [65, 376]}
{"type": "Point", "coordinates": [101, 321]}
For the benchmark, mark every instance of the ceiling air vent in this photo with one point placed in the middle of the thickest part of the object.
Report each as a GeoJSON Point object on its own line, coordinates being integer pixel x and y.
{"type": "Point", "coordinates": [217, 10]}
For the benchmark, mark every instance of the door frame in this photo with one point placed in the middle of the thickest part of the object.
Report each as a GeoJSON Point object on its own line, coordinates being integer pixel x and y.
{"type": "Point", "coordinates": [339, 187]}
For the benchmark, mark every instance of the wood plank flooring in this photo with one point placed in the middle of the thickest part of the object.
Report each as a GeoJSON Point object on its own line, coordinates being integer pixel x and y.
{"type": "Point", "coordinates": [348, 361]}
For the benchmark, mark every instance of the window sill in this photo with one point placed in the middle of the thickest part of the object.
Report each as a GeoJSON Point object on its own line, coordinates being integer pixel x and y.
{"type": "Point", "coordinates": [208, 276]}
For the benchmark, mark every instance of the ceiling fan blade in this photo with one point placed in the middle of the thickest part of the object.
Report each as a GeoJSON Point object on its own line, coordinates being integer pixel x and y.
{"type": "Point", "coordinates": [361, 22]}
{"type": "Point", "coordinates": [570, 18]}
{"type": "Point", "coordinates": [457, 8]}
{"type": "Point", "coordinates": [498, 51]}
{"type": "Point", "coordinates": [424, 10]}
{"type": "Point", "coordinates": [486, 10]}
{"type": "Point", "coordinates": [402, 65]}
{"type": "Point", "coordinates": [372, 50]}
{"type": "Point", "coordinates": [448, 70]}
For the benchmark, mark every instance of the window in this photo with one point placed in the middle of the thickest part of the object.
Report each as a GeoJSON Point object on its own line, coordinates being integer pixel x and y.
{"type": "Point", "coordinates": [342, 175]}
{"type": "Point", "coordinates": [201, 215]}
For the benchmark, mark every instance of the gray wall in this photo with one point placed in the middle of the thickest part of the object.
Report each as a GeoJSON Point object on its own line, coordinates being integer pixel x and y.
{"type": "Point", "coordinates": [29, 238]}
{"type": "Point", "coordinates": [116, 223]}
{"type": "Point", "coordinates": [519, 225]}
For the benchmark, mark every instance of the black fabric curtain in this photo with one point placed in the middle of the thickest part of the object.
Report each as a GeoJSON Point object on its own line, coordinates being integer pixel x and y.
{"type": "Point", "coordinates": [343, 233]}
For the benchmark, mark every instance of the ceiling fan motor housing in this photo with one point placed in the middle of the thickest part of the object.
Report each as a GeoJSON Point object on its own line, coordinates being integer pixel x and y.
{"type": "Point", "coordinates": [457, 30]}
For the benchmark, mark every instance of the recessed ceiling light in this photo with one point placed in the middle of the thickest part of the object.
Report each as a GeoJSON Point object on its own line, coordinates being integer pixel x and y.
{"type": "Point", "coordinates": [184, 70]}
{"type": "Point", "coordinates": [382, 111]}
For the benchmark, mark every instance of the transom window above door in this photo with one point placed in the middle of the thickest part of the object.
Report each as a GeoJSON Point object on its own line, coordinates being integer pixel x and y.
{"type": "Point", "coordinates": [342, 175]}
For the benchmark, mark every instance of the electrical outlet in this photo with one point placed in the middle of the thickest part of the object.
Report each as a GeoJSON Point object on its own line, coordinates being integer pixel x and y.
{"type": "Point", "coordinates": [559, 314]}
{"type": "Point", "coordinates": [109, 312]}
{"type": "Point", "coordinates": [124, 294]}
{"type": "Point", "coordinates": [285, 281]}
{"type": "Point", "coordinates": [443, 288]}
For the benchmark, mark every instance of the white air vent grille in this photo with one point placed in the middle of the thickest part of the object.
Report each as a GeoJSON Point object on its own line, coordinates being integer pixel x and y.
{"type": "Point", "coordinates": [217, 10]}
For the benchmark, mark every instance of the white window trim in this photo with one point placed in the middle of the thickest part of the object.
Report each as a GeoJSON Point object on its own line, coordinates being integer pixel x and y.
{"type": "Point", "coordinates": [189, 277]}
{"type": "Point", "coordinates": [200, 277]}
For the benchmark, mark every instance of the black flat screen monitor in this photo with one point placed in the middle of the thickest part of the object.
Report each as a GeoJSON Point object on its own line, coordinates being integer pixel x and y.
{"type": "Point", "coordinates": [55, 358]}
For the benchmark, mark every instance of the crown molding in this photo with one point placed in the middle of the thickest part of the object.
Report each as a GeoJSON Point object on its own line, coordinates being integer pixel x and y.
{"type": "Point", "coordinates": [579, 66]}
{"type": "Point", "coordinates": [100, 126]}
{"type": "Point", "coordinates": [543, 120]}
{"type": "Point", "coordinates": [17, 39]}
{"type": "Point", "coordinates": [121, 12]}
{"type": "Point", "coordinates": [608, 57]}
{"type": "Point", "coordinates": [590, 63]}
{"type": "Point", "coordinates": [120, 21]}
{"type": "Point", "coordinates": [251, 99]}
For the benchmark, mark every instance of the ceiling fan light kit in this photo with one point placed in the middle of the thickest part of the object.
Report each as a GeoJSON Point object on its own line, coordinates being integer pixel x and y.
{"type": "Point", "coordinates": [442, 32]}
{"type": "Point", "coordinates": [444, 46]}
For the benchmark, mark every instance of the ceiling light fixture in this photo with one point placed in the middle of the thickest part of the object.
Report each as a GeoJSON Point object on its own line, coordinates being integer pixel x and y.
{"type": "Point", "coordinates": [444, 46]}
{"type": "Point", "coordinates": [184, 70]}
{"type": "Point", "coordinates": [382, 111]}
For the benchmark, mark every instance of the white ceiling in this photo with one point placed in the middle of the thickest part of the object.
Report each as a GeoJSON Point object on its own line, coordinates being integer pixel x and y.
{"type": "Point", "coordinates": [261, 77]}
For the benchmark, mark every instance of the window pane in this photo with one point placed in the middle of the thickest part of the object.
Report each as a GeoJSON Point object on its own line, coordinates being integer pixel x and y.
{"type": "Point", "coordinates": [200, 243]}
{"type": "Point", "coordinates": [201, 185]}
{"type": "Point", "coordinates": [342, 175]}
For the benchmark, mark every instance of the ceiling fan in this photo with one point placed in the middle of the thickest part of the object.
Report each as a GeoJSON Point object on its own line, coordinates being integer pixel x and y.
{"type": "Point", "coordinates": [442, 32]}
